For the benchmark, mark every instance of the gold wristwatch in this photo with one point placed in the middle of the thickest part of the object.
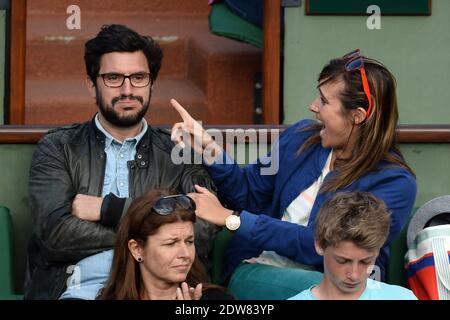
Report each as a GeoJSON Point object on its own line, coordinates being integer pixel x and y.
{"type": "Point", "coordinates": [233, 221]}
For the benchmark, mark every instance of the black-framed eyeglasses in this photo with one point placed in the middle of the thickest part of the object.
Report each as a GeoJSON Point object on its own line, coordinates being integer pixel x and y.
{"type": "Point", "coordinates": [166, 205]}
{"type": "Point", "coordinates": [116, 80]}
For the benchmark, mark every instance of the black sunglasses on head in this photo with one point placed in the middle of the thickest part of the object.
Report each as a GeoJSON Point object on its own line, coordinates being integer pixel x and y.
{"type": "Point", "coordinates": [166, 205]}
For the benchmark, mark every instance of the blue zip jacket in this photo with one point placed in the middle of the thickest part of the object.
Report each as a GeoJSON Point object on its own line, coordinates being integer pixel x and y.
{"type": "Point", "coordinates": [262, 199]}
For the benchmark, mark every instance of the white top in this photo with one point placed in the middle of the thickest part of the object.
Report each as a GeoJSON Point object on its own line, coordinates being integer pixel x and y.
{"type": "Point", "coordinates": [297, 212]}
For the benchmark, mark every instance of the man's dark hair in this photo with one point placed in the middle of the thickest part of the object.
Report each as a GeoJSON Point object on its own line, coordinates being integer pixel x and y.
{"type": "Point", "coordinates": [119, 38]}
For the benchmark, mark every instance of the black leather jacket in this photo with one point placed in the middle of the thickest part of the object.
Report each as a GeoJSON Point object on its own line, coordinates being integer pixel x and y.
{"type": "Point", "coordinates": [71, 160]}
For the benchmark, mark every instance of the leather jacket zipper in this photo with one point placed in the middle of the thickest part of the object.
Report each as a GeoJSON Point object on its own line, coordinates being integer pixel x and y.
{"type": "Point", "coordinates": [102, 180]}
{"type": "Point", "coordinates": [131, 189]}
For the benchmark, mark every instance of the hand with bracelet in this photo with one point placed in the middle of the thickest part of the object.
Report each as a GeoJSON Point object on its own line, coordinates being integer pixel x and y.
{"type": "Point", "coordinates": [209, 208]}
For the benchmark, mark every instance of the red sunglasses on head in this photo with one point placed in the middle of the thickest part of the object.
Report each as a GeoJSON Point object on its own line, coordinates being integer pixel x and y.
{"type": "Point", "coordinates": [354, 61]}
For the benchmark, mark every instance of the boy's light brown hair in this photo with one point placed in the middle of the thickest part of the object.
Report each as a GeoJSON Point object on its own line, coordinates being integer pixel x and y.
{"type": "Point", "coordinates": [359, 217]}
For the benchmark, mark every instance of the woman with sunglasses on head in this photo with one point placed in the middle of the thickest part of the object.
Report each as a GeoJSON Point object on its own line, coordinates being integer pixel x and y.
{"type": "Point", "coordinates": [154, 254]}
{"type": "Point", "coordinates": [349, 147]}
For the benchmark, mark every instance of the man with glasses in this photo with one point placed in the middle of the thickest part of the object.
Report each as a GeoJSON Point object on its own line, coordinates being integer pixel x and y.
{"type": "Point", "coordinates": [83, 177]}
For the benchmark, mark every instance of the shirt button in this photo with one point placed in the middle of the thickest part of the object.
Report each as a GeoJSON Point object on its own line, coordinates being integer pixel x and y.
{"type": "Point", "coordinates": [139, 156]}
{"type": "Point", "coordinates": [121, 155]}
{"type": "Point", "coordinates": [142, 163]}
{"type": "Point", "coordinates": [121, 184]}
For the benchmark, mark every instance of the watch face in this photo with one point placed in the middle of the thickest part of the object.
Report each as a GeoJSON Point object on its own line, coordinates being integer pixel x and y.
{"type": "Point", "coordinates": [232, 222]}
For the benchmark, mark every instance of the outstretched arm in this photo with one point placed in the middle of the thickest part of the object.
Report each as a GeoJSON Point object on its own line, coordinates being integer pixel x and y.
{"type": "Point", "coordinates": [286, 238]}
{"type": "Point", "coordinates": [241, 188]}
{"type": "Point", "coordinates": [190, 133]}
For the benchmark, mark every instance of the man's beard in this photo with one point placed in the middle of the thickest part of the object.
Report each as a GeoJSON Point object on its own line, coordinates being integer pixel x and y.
{"type": "Point", "coordinates": [112, 116]}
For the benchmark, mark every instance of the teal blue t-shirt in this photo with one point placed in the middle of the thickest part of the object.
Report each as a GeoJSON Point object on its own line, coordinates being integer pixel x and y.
{"type": "Point", "coordinates": [375, 290]}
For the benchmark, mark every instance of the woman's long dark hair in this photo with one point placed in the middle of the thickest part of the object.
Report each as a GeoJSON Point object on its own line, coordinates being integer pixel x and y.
{"type": "Point", "coordinates": [377, 139]}
{"type": "Point", "coordinates": [125, 282]}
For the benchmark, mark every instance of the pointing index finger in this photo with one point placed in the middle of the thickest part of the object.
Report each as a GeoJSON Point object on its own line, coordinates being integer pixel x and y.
{"type": "Point", "coordinates": [182, 111]}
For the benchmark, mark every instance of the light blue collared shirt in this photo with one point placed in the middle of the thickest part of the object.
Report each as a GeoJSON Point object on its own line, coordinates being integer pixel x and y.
{"type": "Point", "coordinates": [117, 156]}
{"type": "Point", "coordinates": [374, 290]}
{"type": "Point", "coordinates": [91, 273]}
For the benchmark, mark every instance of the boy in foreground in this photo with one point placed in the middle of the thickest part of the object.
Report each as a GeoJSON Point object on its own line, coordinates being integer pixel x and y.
{"type": "Point", "coordinates": [350, 230]}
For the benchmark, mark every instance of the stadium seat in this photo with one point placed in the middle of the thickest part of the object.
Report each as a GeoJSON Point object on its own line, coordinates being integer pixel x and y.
{"type": "Point", "coordinates": [6, 257]}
